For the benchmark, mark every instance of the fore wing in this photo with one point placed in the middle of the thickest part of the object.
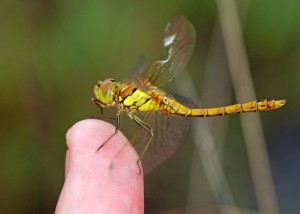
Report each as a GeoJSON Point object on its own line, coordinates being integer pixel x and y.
{"type": "Point", "coordinates": [179, 43]}
{"type": "Point", "coordinates": [168, 131]}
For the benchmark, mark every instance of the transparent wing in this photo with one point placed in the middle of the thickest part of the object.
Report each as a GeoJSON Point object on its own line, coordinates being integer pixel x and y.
{"type": "Point", "coordinates": [168, 132]}
{"type": "Point", "coordinates": [179, 43]}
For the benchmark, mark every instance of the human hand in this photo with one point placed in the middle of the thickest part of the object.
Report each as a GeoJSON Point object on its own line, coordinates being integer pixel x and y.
{"type": "Point", "coordinates": [90, 186]}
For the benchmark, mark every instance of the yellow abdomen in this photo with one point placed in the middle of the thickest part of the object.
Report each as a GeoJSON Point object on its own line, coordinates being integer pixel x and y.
{"type": "Point", "coordinates": [253, 106]}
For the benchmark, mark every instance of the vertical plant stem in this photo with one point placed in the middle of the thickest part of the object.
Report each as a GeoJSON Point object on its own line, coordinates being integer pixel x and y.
{"type": "Point", "coordinates": [251, 124]}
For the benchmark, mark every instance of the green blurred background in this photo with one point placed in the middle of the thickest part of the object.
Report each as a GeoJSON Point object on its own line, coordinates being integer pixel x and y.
{"type": "Point", "coordinates": [52, 52]}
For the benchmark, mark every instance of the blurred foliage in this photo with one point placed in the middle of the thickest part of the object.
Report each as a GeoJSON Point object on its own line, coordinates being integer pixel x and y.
{"type": "Point", "coordinates": [52, 52]}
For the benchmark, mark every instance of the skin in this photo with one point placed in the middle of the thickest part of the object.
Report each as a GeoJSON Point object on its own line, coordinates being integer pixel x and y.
{"type": "Point", "coordinates": [107, 181]}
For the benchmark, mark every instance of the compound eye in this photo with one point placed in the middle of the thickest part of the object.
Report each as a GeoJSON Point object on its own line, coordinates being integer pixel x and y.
{"type": "Point", "coordinates": [106, 87]}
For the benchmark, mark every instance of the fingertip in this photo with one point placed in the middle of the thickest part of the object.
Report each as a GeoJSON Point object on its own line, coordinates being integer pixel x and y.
{"type": "Point", "coordinates": [85, 134]}
{"type": "Point", "coordinates": [89, 172]}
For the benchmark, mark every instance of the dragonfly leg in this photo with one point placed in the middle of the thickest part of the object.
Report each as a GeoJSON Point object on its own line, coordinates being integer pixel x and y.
{"type": "Point", "coordinates": [103, 118]}
{"type": "Point", "coordinates": [148, 130]}
{"type": "Point", "coordinates": [115, 132]}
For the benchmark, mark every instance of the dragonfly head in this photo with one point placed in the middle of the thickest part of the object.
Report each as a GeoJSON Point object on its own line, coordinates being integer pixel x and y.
{"type": "Point", "coordinates": [105, 92]}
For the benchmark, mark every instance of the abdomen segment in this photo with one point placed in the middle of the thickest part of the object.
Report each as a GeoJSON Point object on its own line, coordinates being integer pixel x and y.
{"type": "Point", "coordinates": [264, 105]}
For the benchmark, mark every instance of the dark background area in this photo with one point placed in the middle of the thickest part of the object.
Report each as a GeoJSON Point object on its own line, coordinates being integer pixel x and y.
{"type": "Point", "coordinates": [52, 53]}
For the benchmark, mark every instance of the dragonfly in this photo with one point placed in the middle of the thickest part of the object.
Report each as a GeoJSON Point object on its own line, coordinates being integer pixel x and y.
{"type": "Point", "coordinates": [162, 117]}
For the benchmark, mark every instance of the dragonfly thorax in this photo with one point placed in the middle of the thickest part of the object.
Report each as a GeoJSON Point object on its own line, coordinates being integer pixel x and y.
{"type": "Point", "coordinates": [105, 92]}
